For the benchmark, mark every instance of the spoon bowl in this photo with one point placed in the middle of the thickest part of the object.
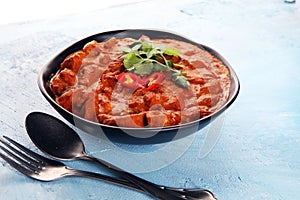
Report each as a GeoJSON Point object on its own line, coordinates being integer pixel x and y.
{"type": "Point", "coordinates": [54, 137]}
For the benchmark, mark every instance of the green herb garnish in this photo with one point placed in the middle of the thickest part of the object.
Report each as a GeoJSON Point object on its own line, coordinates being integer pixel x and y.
{"type": "Point", "coordinates": [171, 52]}
{"type": "Point", "coordinates": [143, 58]}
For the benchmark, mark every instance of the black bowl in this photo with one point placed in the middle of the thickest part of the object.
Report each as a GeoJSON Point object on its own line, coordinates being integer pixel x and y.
{"type": "Point", "coordinates": [124, 134]}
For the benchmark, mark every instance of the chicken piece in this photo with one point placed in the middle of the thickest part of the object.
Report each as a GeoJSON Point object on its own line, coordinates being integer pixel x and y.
{"type": "Point", "coordinates": [62, 81]}
{"type": "Point", "coordinates": [90, 108]}
{"type": "Point", "coordinates": [156, 118]}
{"type": "Point", "coordinates": [162, 118]}
{"type": "Point", "coordinates": [65, 100]}
{"type": "Point", "coordinates": [73, 61]}
{"type": "Point", "coordinates": [89, 74]}
{"type": "Point", "coordinates": [133, 120]}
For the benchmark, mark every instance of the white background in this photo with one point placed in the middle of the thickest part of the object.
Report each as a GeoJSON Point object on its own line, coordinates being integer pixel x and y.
{"type": "Point", "coordinates": [13, 11]}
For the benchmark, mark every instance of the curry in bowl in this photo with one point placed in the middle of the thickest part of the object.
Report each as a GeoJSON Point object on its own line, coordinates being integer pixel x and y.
{"type": "Point", "coordinates": [142, 82]}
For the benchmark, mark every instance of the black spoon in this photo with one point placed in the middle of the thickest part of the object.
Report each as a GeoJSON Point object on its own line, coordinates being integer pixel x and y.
{"type": "Point", "coordinates": [58, 140]}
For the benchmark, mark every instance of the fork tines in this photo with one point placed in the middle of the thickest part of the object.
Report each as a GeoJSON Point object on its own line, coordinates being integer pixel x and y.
{"type": "Point", "coordinates": [16, 157]}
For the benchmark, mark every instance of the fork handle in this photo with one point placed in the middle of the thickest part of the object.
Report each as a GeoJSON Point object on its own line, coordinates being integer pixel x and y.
{"type": "Point", "coordinates": [194, 193]}
{"type": "Point", "coordinates": [114, 180]}
{"type": "Point", "coordinates": [160, 192]}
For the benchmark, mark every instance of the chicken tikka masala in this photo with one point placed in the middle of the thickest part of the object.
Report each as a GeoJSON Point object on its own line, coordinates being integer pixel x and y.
{"type": "Point", "coordinates": [141, 82]}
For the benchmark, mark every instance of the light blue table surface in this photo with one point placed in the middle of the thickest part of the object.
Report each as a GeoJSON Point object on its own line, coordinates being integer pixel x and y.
{"type": "Point", "coordinates": [252, 151]}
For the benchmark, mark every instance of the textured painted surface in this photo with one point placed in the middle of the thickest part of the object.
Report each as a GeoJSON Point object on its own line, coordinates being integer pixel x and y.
{"type": "Point", "coordinates": [257, 151]}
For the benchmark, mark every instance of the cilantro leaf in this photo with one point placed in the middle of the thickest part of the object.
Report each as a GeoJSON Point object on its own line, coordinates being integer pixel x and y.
{"type": "Point", "coordinates": [146, 46]}
{"type": "Point", "coordinates": [144, 68]}
{"type": "Point", "coordinates": [181, 81]}
{"type": "Point", "coordinates": [159, 67]}
{"type": "Point", "coordinates": [170, 63]}
{"type": "Point", "coordinates": [143, 58]}
{"type": "Point", "coordinates": [171, 51]}
{"type": "Point", "coordinates": [130, 60]}
{"type": "Point", "coordinates": [134, 44]}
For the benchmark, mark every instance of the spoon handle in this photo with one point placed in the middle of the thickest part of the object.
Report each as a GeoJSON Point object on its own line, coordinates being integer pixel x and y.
{"type": "Point", "coordinates": [160, 192]}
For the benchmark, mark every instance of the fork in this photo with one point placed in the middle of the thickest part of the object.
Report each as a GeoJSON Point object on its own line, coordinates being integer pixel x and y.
{"type": "Point", "coordinates": [41, 168]}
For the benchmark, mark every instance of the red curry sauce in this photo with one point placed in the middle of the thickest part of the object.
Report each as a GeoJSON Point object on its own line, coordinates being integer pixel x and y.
{"type": "Point", "coordinates": [88, 84]}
